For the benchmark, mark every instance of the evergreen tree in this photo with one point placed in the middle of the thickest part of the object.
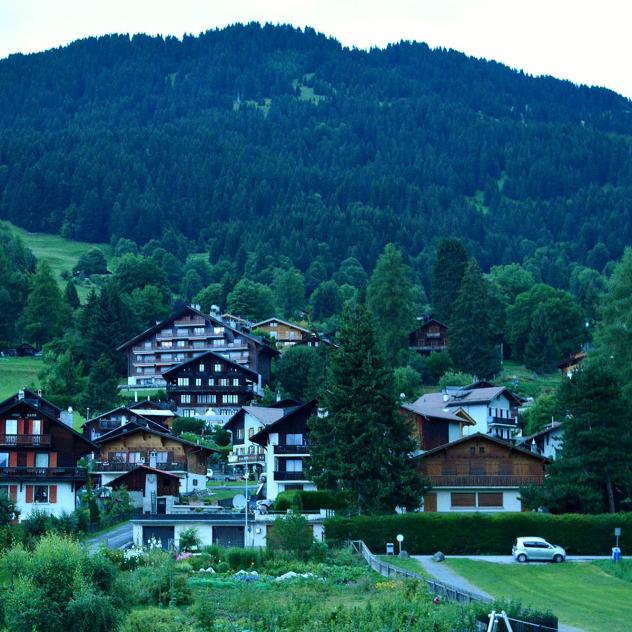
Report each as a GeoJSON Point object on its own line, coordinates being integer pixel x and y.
{"type": "Point", "coordinates": [362, 445]}
{"type": "Point", "coordinates": [46, 314]}
{"type": "Point", "coordinates": [541, 353]}
{"type": "Point", "coordinates": [389, 297]}
{"type": "Point", "coordinates": [212, 294]}
{"type": "Point", "coordinates": [251, 300]}
{"type": "Point", "coordinates": [70, 295]}
{"type": "Point", "coordinates": [447, 274]}
{"type": "Point", "coordinates": [301, 371]}
{"type": "Point", "coordinates": [62, 378]}
{"type": "Point", "coordinates": [325, 301]}
{"type": "Point", "coordinates": [289, 292]}
{"type": "Point", "coordinates": [100, 393]}
{"type": "Point", "coordinates": [472, 338]}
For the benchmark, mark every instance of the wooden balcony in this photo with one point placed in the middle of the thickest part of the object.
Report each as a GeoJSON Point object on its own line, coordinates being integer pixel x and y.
{"type": "Point", "coordinates": [117, 466]}
{"type": "Point", "coordinates": [24, 440]}
{"type": "Point", "coordinates": [54, 473]}
{"type": "Point", "coordinates": [483, 480]}
{"type": "Point", "coordinates": [259, 457]}
{"type": "Point", "coordinates": [291, 449]}
{"type": "Point", "coordinates": [290, 476]}
{"type": "Point", "coordinates": [202, 388]}
{"type": "Point", "coordinates": [502, 421]}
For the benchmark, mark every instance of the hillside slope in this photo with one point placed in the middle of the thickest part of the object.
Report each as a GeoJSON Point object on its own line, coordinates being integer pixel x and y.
{"type": "Point", "coordinates": [278, 141]}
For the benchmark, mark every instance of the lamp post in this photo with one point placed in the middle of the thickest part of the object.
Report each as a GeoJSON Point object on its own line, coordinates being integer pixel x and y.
{"type": "Point", "coordinates": [400, 539]}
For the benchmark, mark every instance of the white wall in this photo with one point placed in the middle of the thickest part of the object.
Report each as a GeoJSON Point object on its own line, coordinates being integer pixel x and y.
{"type": "Point", "coordinates": [65, 501]}
{"type": "Point", "coordinates": [479, 413]}
{"type": "Point", "coordinates": [511, 500]}
{"type": "Point", "coordinates": [204, 531]}
{"type": "Point", "coordinates": [553, 443]}
{"type": "Point", "coordinates": [454, 432]}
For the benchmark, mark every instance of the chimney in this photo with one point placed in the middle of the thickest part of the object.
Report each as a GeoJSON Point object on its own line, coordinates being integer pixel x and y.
{"type": "Point", "coordinates": [534, 447]}
{"type": "Point", "coordinates": [21, 394]}
{"type": "Point", "coordinates": [67, 417]}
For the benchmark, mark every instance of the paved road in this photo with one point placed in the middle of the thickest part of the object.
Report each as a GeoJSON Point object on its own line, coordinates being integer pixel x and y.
{"type": "Point", "coordinates": [115, 539]}
{"type": "Point", "coordinates": [508, 559]}
{"type": "Point", "coordinates": [445, 574]}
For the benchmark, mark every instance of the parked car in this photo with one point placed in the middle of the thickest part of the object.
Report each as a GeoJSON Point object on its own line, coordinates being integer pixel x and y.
{"type": "Point", "coordinates": [533, 548]}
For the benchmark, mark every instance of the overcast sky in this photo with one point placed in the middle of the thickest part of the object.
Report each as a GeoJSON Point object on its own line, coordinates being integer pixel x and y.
{"type": "Point", "coordinates": [586, 41]}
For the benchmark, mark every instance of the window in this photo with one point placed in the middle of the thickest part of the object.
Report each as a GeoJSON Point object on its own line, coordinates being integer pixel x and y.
{"type": "Point", "coordinates": [481, 450]}
{"type": "Point", "coordinates": [218, 342]}
{"type": "Point", "coordinates": [217, 368]}
{"type": "Point", "coordinates": [463, 499]}
{"type": "Point", "coordinates": [181, 332]}
{"type": "Point", "coordinates": [195, 482]}
{"type": "Point", "coordinates": [36, 427]}
{"type": "Point", "coordinates": [4, 459]}
{"type": "Point", "coordinates": [218, 331]}
{"type": "Point", "coordinates": [136, 457]}
{"type": "Point", "coordinates": [162, 457]}
{"type": "Point", "coordinates": [490, 499]}
{"type": "Point", "coordinates": [185, 399]}
{"type": "Point", "coordinates": [211, 381]}
{"type": "Point", "coordinates": [274, 324]}
{"type": "Point", "coordinates": [201, 368]}
{"type": "Point", "coordinates": [41, 459]}
{"type": "Point", "coordinates": [40, 493]}
{"type": "Point", "coordinates": [240, 433]}
{"type": "Point", "coordinates": [183, 381]}
{"type": "Point", "coordinates": [235, 381]}
{"type": "Point", "coordinates": [166, 344]}
{"type": "Point", "coordinates": [11, 427]}
{"type": "Point", "coordinates": [207, 399]}
{"type": "Point", "coordinates": [188, 412]}
{"type": "Point", "coordinates": [231, 399]}
{"type": "Point", "coordinates": [165, 356]}
{"type": "Point", "coordinates": [294, 439]}
{"type": "Point", "coordinates": [223, 381]}
{"type": "Point", "coordinates": [294, 465]}
{"type": "Point", "coordinates": [251, 431]}
{"type": "Point", "coordinates": [198, 381]}
{"type": "Point", "coordinates": [472, 450]}
{"type": "Point", "coordinates": [147, 344]}
{"type": "Point", "coordinates": [198, 331]}
{"type": "Point", "coordinates": [139, 358]}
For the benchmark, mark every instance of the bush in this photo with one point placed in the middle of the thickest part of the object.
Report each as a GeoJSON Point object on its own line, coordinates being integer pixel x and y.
{"type": "Point", "coordinates": [244, 559]}
{"type": "Point", "coordinates": [223, 567]}
{"type": "Point", "coordinates": [311, 501]}
{"type": "Point", "coordinates": [291, 533]}
{"type": "Point", "coordinates": [156, 620]}
{"type": "Point", "coordinates": [190, 540]}
{"type": "Point", "coordinates": [92, 612]}
{"type": "Point", "coordinates": [480, 533]}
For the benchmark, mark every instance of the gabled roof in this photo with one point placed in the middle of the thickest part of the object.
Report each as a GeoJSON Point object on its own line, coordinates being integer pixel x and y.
{"type": "Point", "coordinates": [148, 470]}
{"type": "Point", "coordinates": [8, 405]}
{"type": "Point", "coordinates": [261, 436]}
{"type": "Point", "coordinates": [265, 414]}
{"type": "Point", "coordinates": [432, 406]}
{"type": "Point", "coordinates": [279, 320]}
{"type": "Point", "coordinates": [215, 356]}
{"type": "Point", "coordinates": [477, 436]}
{"type": "Point", "coordinates": [552, 427]}
{"type": "Point", "coordinates": [467, 397]}
{"type": "Point", "coordinates": [150, 404]}
{"type": "Point", "coordinates": [134, 414]}
{"type": "Point", "coordinates": [426, 320]}
{"type": "Point", "coordinates": [50, 408]}
{"type": "Point", "coordinates": [133, 428]}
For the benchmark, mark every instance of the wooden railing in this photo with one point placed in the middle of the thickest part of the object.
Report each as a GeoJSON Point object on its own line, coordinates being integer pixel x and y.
{"type": "Point", "coordinates": [291, 449]}
{"type": "Point", "coordinates": [483, 480]}
{"type": "Point", "coordinates": [290, 476]}
{"type": "Point", "coordinates": [24, 439]}
{"type": "Point", "coordinates": [445, 591]}
{"type": "Point", "coordinates": [43, 472]}
{"type": "Point", "coordinates": [116, 466]}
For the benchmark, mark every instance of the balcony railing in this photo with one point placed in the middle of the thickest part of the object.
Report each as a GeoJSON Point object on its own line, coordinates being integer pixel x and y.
{"type": "Point", "coordinates": [247, 458]}
{"type": "Point", "coordinates": [117, 466]}
{"type": "Point", "coordinates": [23, 439]}
{"type": "Point", "coordinates": [216, 388]}
{"type": "Point", "coordinates": [502, 421]}
{"type": "Point", "coordinates": [291, 449]}
{"type": "Point", "coordinates": [71, 473]}
{"type": "Point", "coordinates": [290, 476]}
{"type": "Point", "coordinates": [480, 480]}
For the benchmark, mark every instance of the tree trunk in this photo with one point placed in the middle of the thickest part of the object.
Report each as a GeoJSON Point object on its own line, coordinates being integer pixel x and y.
{"type": "Point", "coordinates": [610, 490]}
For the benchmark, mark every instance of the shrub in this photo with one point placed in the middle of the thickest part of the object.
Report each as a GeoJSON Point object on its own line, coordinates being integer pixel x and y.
{"type": "Point", "coordinates": [156, 620]}
{"type": "Point", "coordinates": [223, 567]}
{"type": "Point", "coordinates": [244, 559]}
{"type": "Point", "coordinates": [311, 500]}
{"type": "Point", "coordinates": [190, 540]}
{"type": "Point", "coordinates": [159, 584]}
{"type": "Point", "coordinates": [92, 612]}
{"type": "Point", "coordinates": [476, 533]}
{"type": "Point", "coordinates": [291, 533]}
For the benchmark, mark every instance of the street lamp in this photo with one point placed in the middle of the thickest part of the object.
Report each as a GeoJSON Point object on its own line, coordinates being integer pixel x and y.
{"type": "Point", "coordinates": [400, 539]}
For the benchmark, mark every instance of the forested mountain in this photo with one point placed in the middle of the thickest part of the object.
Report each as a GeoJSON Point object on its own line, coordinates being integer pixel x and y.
{"type": "Point", "coordinates": [275, 141]}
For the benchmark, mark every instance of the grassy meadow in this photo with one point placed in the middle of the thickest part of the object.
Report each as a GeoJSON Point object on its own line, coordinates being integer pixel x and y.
{"type": "Point", "coordinates": [584, 595]}
{"type": "Point", "coordinates": [16, 373]}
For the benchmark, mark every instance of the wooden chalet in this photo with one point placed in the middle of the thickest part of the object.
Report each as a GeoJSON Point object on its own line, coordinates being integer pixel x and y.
{"type": "Point", "coordinates": [478, 473]}
{"type": "Point", "coordinates": [38, 455]}
{"type": "Point", "coordinates": [131, 445]}
{"type": "Point", "coordinates": [210, 380]}
{"type": "Point", "coordinates": [316, 340]}
{"type": "Point", "coordinates": [189, 333]}
{"type": "Point", "coordinates": [572, 363]}
{"type": "Point", "coordinates": [430, 336]}
{"type": "Point", "coordinates": [286, 444]}
{"type": "Point", "coordinates": [94, 427]}
{"type": "Point", "coordinates": [159, 412]}
{"type": "Point", "coordinates": [285, 334]}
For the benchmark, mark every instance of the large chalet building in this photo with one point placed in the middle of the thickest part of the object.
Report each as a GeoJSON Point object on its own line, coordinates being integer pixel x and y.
{"type": "Point", "coordinates": [210, 380]}
{"type": "Point", "coordinates": [39, 454]}
{"type": "Point", "coordinates": [478, 473]}
{"type": "Point", "coordinates": [285, 334]}
{"type": "Point", "coordinates": [187, 334]}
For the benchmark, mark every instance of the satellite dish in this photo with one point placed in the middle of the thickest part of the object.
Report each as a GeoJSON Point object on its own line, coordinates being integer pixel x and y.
{"type": "Point", "coordinates": [239, 501]}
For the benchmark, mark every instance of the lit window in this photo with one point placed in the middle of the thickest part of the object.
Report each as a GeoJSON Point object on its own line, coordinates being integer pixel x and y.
{"type": "Point", "coordinates": [40, 493]}
{"type": "Point", "coordinates": [185, 399]}
{"type": "Point", "coordinates": [183, 381]}
{"type": "Point", "coordinates": [201, 368]}
{"type": "Point", "coordinates": [217, 368]}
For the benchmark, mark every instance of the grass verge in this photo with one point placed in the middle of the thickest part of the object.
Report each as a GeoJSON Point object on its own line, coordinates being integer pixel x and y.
{"type": "Point", "coordinates": [579, 594]}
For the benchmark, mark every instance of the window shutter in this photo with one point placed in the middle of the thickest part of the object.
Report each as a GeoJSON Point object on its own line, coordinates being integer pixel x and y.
{"type": "Point", "coordinates": [52, 494]}
{"type": "Point", "coordinates": [30, 459]}
{"type": "Point", "coordinates": [13, 493]}
{"type": "Point", "coordinates": [52, 459]}
{"type": "Point", "coordinates": [20, 426]}
{"type": "Point", "coordinates": [29, 493]}
{"type": "Point", "coordinates": [29, 426]}
{"type": "Point", "coordinates": [3, 426]}
{"type": "Point", "coordinates": [13, 459]}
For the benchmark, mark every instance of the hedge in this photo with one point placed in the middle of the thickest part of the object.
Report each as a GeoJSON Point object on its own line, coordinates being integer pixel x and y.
{"type": "Point", "coordinates": [310, 500]}
{"type": "Point", "coordinates": [481, 533]}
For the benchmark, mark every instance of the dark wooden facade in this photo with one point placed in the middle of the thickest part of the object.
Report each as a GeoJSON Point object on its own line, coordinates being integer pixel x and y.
{"type": "Point", "coordinates": [481, 461]}
{"type": "Point", "coordinates": [431, 336]}
{"type": "Point", "coordinates": [210, 381]}
{"type": "Point", "coordinates": [98, 426]}
{"type": "Point", "coordinates": [134, 481]}
{"type": "Point", "coordinates": [187, 334]}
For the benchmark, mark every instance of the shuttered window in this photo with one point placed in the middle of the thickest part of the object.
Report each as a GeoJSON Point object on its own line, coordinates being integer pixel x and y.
{"type": "Point", "coordinates": [490, 499]}
{"type": "Point", "coordinates": [463, 499]}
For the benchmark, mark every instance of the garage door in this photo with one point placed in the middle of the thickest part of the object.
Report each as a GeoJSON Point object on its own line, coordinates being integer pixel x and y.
{"type": "Point", "coordinates": [228, 536]}
{"type": "Point", "coordinates": [164, 534]}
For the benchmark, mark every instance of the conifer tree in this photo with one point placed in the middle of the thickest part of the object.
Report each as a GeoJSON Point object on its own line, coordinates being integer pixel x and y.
{"type": "Point", "coordinates": [472, 336]}
{"type": "Point", "coordinates": [362, 445]}
{"type": "Point", "coordinates": [70, 295]}
{"type": "Point", "coordinates": [447, 274]}
{"type": "Point", "coordinates": [100, 393]}
{"type": "Point", "coordinates": [390, 298]}
{"type": "Point", "coordinates": [46, 314]}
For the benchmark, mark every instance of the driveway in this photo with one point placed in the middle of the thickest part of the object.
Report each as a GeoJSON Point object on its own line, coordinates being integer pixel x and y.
{"type": "Point", "coordinates": [508, 559]}
{"type": "Point", "coordinates": [116, 538]}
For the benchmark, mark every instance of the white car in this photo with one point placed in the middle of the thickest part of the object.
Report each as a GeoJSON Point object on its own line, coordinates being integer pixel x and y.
{"type": "Point", "coordinates": [534, 548]}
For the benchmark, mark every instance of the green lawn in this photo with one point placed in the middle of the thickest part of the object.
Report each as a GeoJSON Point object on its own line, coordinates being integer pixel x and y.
{"type": "Point", "coordinates": [579, 594]}
{"type": "Point", "coordinates": [16, 373]}
{"type": "Point", "coordinates": [529, 383]}
{"type": "Point", "coordinates": [408, 565]}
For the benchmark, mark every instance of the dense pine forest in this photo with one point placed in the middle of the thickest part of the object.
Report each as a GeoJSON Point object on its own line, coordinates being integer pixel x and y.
{"type": "Point", "coordinates": [271, 141]}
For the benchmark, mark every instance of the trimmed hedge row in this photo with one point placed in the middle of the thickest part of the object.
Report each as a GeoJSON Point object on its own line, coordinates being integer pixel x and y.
{"type": "Point", "coordinates": [481, 533]}
{"type": "Point", "coordinates": [310, 500]}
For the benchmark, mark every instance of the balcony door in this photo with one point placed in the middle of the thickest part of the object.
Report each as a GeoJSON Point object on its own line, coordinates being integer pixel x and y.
{"type": "Point", "coordinates": [11, 427]}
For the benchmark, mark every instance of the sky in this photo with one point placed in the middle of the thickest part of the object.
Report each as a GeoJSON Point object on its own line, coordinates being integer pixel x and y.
{"type": "Point", "coordinates": [585, 41]}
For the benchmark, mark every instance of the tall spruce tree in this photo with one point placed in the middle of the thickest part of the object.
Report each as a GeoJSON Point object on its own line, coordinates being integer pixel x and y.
{"type": "Point", "coordinates": [46, 314]}
{"type": "Point", "coordinates": [100, 393]}
{"type": "Point", "coordinates": [362, 445]}
{"type": "Point", "coordinates": [70, 295]}
{"type": "Point", "coordinates": [447, 274]}
{"type": "Point", "coordinates": [472, 336]}
{"type": "Point", "coordinates": [390, 298]}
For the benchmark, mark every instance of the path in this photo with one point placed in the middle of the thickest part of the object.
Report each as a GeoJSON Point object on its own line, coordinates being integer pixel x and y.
{"type": "Point", "coordinates": [445, 574]}
{"type": "Point", "coordinates": [114, 539]}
